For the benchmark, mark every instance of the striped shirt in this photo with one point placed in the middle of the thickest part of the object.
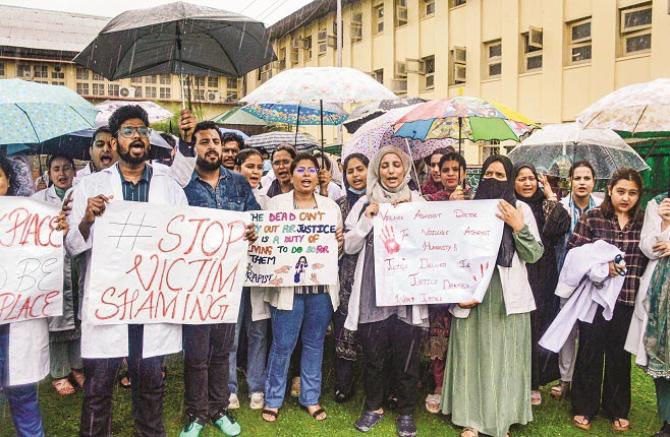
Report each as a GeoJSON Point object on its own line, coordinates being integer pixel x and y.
{"type": "Point", "coordinates": [594, 226]}
{"type": "Point", "coordinates": [138, 192]}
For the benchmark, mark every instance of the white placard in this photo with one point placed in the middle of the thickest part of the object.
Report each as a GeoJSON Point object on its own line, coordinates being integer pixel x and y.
{"type": "Point", "coordinates": [294, 248]}
{"type": "Point", "coordinates": [154, 263]}
{"type": "Point", "coordinates": [31, 260]}
{"type": "Point", "coordinates": [435, 252]}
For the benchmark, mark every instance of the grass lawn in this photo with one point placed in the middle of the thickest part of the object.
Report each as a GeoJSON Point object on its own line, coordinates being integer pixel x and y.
{"type": "Point", "coordinates": [552, 419]}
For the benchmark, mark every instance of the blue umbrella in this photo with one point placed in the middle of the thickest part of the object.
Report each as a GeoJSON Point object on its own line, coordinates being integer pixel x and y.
{"type": "Point", "coordinates": [300, 114]}
{"type": "Point", "coordinates": [244, 136]}
{"type": "Point", "coordinates": [32, 112]}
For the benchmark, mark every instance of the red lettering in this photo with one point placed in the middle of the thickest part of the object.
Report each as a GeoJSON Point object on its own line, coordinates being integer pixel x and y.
{"type": "Point", "coordinates": [169, 232]}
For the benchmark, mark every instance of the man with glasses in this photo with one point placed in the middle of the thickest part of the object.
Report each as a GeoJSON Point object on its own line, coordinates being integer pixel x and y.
{"type": "Point", "coordinates": [103, 347]}
{"type": "Point", "coordinates": [207, 347]}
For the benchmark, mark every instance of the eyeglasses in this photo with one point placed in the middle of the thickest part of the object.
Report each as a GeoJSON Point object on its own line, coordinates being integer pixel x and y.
{"type": "Point", "coordinates": [303, 170]}
{"type": "Point", "coordinates": [129, 131]}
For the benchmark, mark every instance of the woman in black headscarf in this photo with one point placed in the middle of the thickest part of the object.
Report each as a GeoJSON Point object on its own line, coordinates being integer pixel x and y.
{"type": "Point", "coordinates": [553, 221]}
{"type": "Point", "coordinates": [487, 378]}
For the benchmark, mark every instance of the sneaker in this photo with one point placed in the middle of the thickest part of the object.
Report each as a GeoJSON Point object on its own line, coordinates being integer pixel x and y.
{"type": "Point", "coordinates": [257, 401]}
{"type": "Point", "coordinates": [192, 429]}
{"type": "Point", "coordinates": [233, 402]}
{"type": "Point", "coordinates": [368, 420]}
{"type": "Point", "coordinates": [405, 426]}
{"type": "Point", "coordinates": [227, 424]}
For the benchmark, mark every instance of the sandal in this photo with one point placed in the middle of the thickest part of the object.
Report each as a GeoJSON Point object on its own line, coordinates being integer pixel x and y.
{"type": "Point", "coordinates": [124, 380]}
{"type": "Point", "coordinates": [318, 412]}
{"type": "Point", "coordinates": [561, 390]}
{"type": "Point", "coordinates": [535, 398]}
{"type": "Point", "coordinates": [433, 402]}
{"type": "Point", "coordinates": [270, 413]}
{"type": "Point", "coordinates": [470, 432]}
{"type": "Point", "coordinates": [583, 423]}
{"type": "Point", "coordinates": [63, 386]}
{"type": "Point", "coordinates": [78, 377]}
{"type": "Point", "coordinates": [620, 424]}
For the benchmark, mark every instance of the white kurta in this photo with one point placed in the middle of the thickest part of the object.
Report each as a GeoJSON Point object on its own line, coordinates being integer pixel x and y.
{"type": "Point", "coordinates": [111, 341]}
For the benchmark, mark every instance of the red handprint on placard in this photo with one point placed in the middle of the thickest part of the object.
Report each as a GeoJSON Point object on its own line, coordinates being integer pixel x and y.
{"type": "Point", "coordinates": [478, 276]}
{"type": "Point", "coordinates": [390, 243]}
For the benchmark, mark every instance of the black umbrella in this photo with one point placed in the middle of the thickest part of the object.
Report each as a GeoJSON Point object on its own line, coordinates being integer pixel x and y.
{"type": "Point", "coordinates": [178, 38]}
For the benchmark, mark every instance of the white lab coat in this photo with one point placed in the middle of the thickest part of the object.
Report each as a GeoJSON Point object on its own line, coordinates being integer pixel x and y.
{"type": "Point", "coordinates": [517, 293]}
{"type": "Point", "coordinates": [111, 341]}
{"type": "Point", "coordinates": [651, 233]}
{"type": "Point", "coordinates": [282, 297]}
{"type": "Point", "coordinates": [585, 282]}
{"type": "Point", "coordinates": [357, 227]}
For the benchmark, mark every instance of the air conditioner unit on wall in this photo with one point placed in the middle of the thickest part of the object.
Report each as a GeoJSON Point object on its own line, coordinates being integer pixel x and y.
{"type": "Point", "coordinates": [535, 37]}
{"type": "Point", "coordinates": [212, 96]}
{"type": "Point", "coordinates": [128, 92]}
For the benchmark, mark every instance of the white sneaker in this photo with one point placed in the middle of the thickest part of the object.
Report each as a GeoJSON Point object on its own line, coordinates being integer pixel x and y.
{"type": "Point", "coordinates": [233, 402]}
{"type": "Point", "coordinates": [257, 401]}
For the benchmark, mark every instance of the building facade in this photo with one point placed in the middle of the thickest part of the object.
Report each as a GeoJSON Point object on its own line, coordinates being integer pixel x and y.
{"type": "Point", "coordinates": [39, 45]}
{"type": "Point", "coordinates": [548, 59]}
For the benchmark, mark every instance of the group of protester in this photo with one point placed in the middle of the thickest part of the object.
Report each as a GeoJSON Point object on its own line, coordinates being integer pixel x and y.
{"type": "Point", "coordinates": [486, 362]}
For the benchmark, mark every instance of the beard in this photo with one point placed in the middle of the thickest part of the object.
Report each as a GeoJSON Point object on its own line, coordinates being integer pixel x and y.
{"type": "Point", "coordinates": [127, 157]}
{"type": "Point", "coordinates": [206, 165]}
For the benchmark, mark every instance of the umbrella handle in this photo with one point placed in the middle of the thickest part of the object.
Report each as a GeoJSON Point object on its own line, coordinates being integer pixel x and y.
{"type": "Point", "coordinates": [416, 173]}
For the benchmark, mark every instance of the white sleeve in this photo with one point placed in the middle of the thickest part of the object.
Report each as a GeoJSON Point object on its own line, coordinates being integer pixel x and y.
{"type": "Point", "coordinates": [651, 231]}
{"type": "Point", "coordinates": [356, 229]}
{"type": "Point", "coordinates": [74, 241]}
{"type": "Point", "coordinates": [181, 169]}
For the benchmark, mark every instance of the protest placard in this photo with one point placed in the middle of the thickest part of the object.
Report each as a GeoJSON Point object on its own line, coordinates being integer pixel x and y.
{"type": "Point", "coordinates": [294, 248]}
{"type": "Point", "coordinates": [155, 263]}
{"type": "Point", "coordinates": [31, 260]}
{"type": "Point", "coordinates": [437, 252]}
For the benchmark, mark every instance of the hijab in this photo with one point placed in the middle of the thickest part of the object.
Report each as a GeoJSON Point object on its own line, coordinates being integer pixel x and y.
{"type": "Point", "coordinates": [536, 200]}
{"type": "Point", "coordinates": [495, 189]}
{"type": "Point", "coordinates": [377, 192]}
{"type": "Point", "coordinates": [353, 194]}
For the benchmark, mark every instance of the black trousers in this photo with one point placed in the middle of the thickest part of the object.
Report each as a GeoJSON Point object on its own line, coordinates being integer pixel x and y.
{"type": "Point", "coordinates": [602, 342]}
{"type": "Point", "coordinates": [344, 369]}
{"type": "Point", "coordinates": [206, 352]}
{"type": "Point", "coordinates": [393, 340]}
{"type": "Point", "coordinates": [147, 390]}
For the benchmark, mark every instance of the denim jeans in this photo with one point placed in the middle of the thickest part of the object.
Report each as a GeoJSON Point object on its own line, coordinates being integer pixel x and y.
{"type": "Point", "coordinates": [147, 388]}
{"type": "Point", "coordinates": [22, 399]}
{"type": "Point", "coordinates": [257, 347]}
{"type": "Point", "coordinates": [206, 352]}
{"type": "Point", "coordinates": [309, 318]}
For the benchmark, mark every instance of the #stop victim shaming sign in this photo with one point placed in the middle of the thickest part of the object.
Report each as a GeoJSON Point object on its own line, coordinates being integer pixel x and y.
{"type": "Point", "coordinates": [435, 252]}
{"type": "Point", "coordinates": [31, 260]}
{"type": "Point", "coordinates": [155, 264]}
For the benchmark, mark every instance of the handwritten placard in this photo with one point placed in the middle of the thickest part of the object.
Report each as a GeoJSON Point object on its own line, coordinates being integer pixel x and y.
{"type": "Point", "coordinates": [31, 260]}
{"type": "Point", "coordinates": [294, 248]}
{"type": "Point", "coordinates": [437, 252]}
{"type": "Point", "coordinates": [155, 264]}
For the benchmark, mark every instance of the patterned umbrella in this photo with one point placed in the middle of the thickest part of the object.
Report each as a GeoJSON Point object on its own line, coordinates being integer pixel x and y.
{"type": "Point", "coordinates": [555, 147]}
{"type": "Point", "coordinates": [156, 112]}
{"type": "Point", "coordinates": [366, 112]}
{"type": "Point", "coordinates": [271, 140]}
{"type": "Point", "coordinates": [33, 112]}
{"type": "Point", "coordinates": [641, 107]}
{"type": "Point", "coordinates": [374, 134]}
{"type": "Point", "coordinates": [299, 114]}
{"type": "Point", "coordinates": [463, 118]}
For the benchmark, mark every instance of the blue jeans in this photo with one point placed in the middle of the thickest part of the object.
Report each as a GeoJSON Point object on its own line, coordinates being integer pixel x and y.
{"type": "Point", "coordinates": [257, 347]}
{"type": "Point", "coordinates": [311, 314]}
{"type": "Point", "coordinates": [23, 404]}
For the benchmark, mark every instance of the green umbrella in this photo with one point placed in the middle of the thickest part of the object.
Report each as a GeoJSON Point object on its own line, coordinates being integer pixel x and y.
{"type": "Point", "coordinates": [235, 116]}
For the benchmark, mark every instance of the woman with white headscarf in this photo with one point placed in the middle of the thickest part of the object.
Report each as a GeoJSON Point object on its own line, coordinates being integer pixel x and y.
{"type": "Point", "coordinates": [384, 332]}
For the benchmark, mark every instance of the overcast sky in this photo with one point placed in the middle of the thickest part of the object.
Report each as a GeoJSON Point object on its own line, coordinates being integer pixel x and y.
{"type": "Point", "coordinates": [268, 11]}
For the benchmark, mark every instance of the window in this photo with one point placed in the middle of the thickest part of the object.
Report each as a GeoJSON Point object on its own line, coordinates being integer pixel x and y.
{"type": "Point", "coordinates": [24, 70]}
{"type": "Point", "coordinates": [231, 82]}
{"type": "Point", "coordinates": [580, 41]}
{"type": "Point", "coordinates": [635, 29]}
{"type": "Point", "coordinates": [282, 59]}
{"type": "Point", "coordinates": [493, 58]}
{"type": "Point", "coordinates": [151, 79]}
{"type": "Point", "coordinates": [41, 71]}
{"type": "Point", "coordinates": [231, 95]}
{"type": "Point", "coordinates": [213, 82]}
{"type": "Point", "coordinates": [378, 17]}
{"type": "Point", "coordinates": [135, 80]}
{"type": "Point", "coordinates": [165, 79]}
{"type": "Point", "coordinates": [307, 45]}
{"type": "Point", "coordinates": [82, 73]}
{"type": "Point", "coordinates": [400, 12]}
{"type": "Point", "coordinates": [199, 94]}
{"type": "Point", "coordinates": [532, 49]}
{"type": "Point", "coordinates": [199, 82]}
{"type": "Point", "coordinates": [457, 58]}
{"type": "Point", "coordinates": [456, 3]}
{"type": "Point", "coordinates": [357, 27]}
{"type": "Point", "coordinates": [378, 75]}
{"type": "Point", "coordinates": [97, 76]}
{"type": "Point", "coordinates": [428, 70]}
{"type": "Point", "coordinates": [295, 55]}
{"type": "Point", "coordinates": [57, 72]}
{"type": "Point", "coordinates": [165, 93]}
{"type": "Point", "coordinates": [323, 41]}
{"type": "Point", "coordinates": [98, 89]}
{"type": "Point", "coordinates": [150, 92]}
{"type": "Point", "coordinates": [82, 89]}
{"type": "Point", "coordinates": [138, 91]}
{"type": "Point", "coordinates": [57, 83]}
{"type": "Point", "coordinates": [2, 68]}
{"type": "Point", "coordinates": [428, 7]}
{"type": "Point", "coordinates": [113, 90]}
